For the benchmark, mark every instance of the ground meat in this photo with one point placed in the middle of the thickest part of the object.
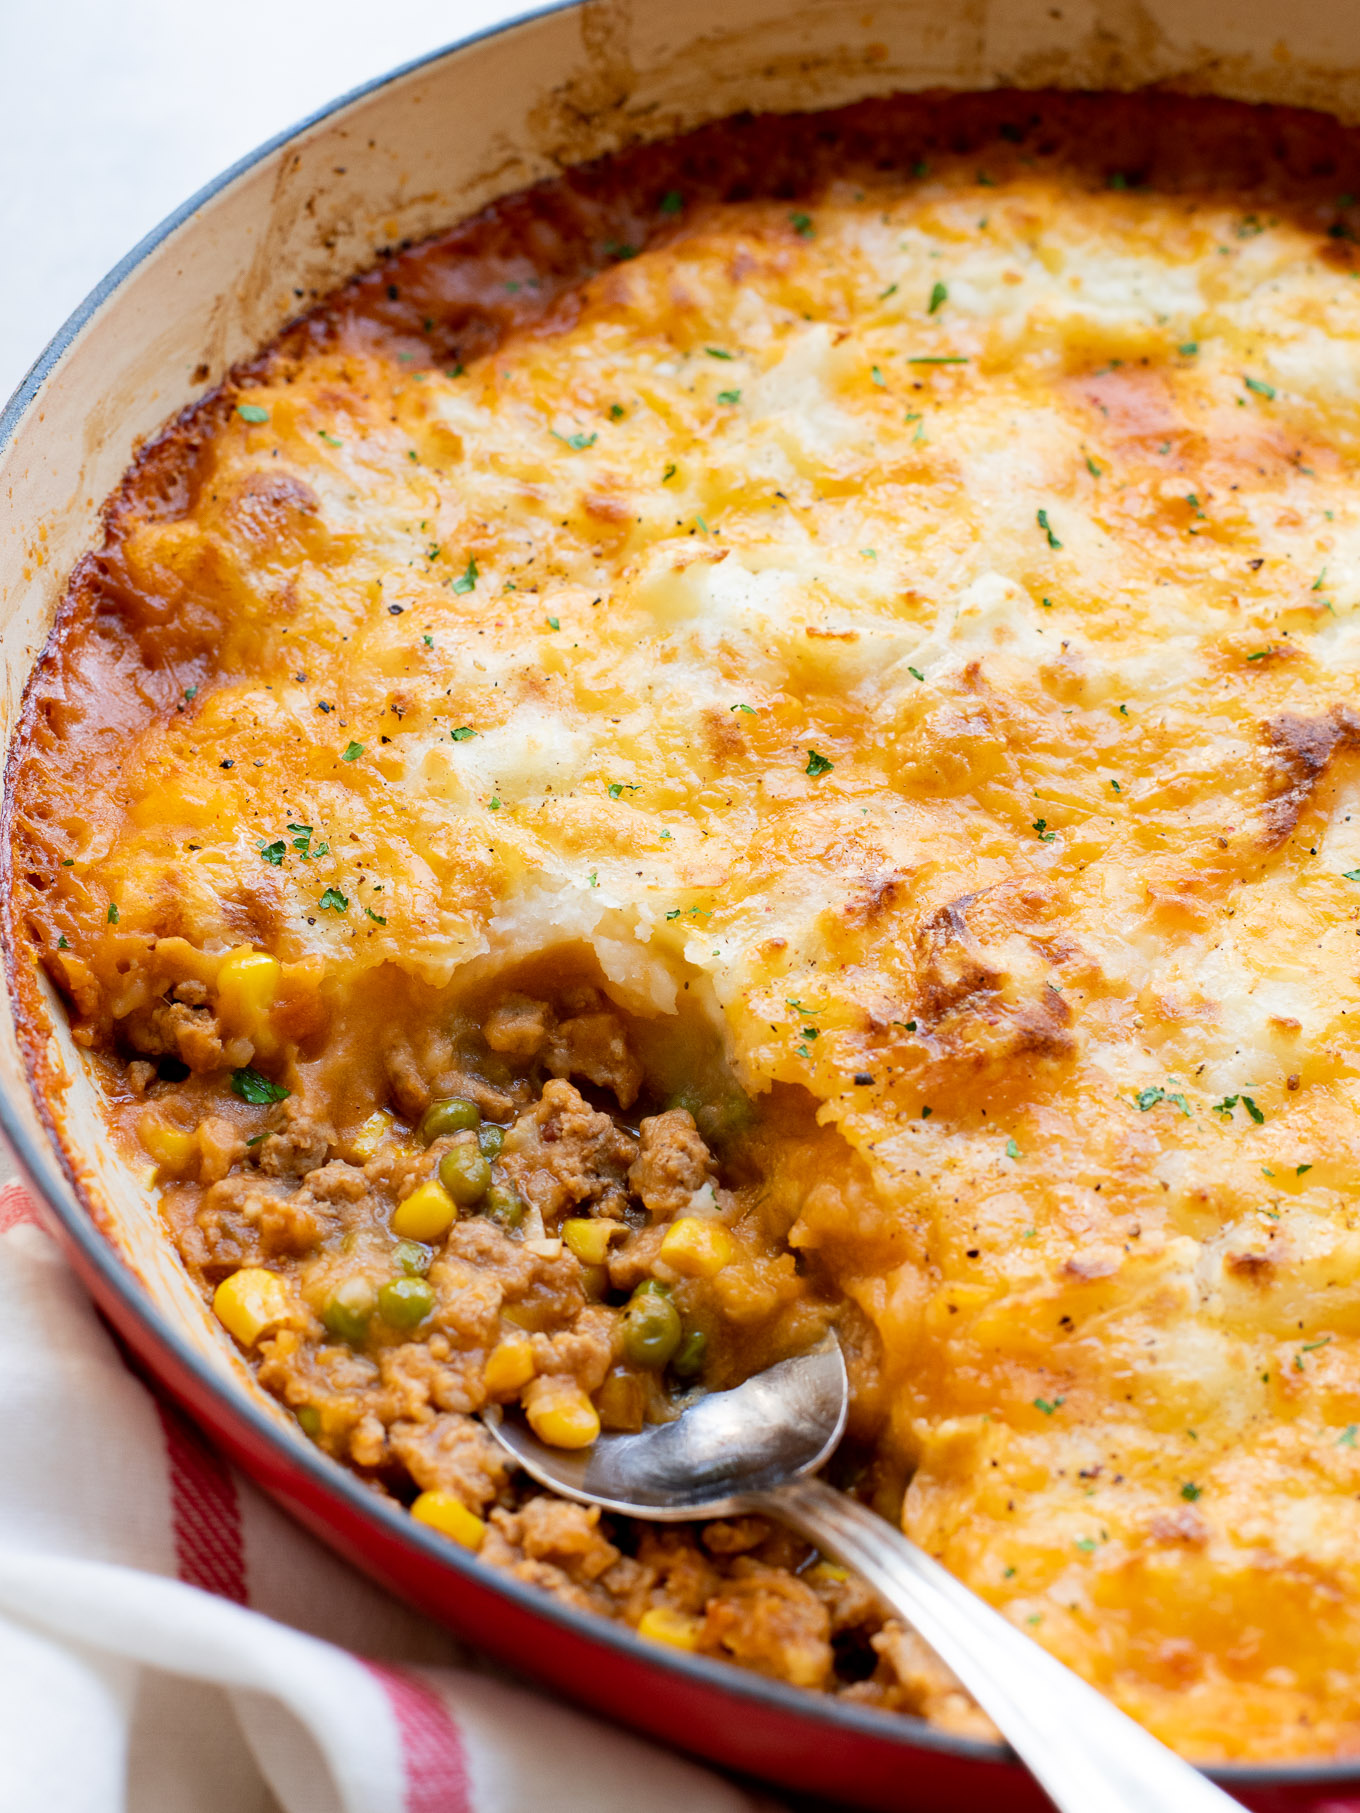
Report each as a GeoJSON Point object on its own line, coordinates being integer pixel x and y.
{"type": "Point", "coordinates": [299, 1143]}
{"type": "Point", "coordinates": [583, 1352]}
{"type": "Point", "coordinates": [595, 1046]}
{"type": "Point", "coordinates": [191, 1034]}
{"type": "Point", "coordinates": [249, 1220]}
{"type": "Point", "coordinates": [672, 1164]}
{"type": "Point", "coordinates": [768, 1620]}
{"type": "Point", "coordinates": [914, 1679]}
{"type": "Point", "coordinates": [452, 1454]}
{"type": "Point", "coordinates": [563, 1156]}
{"type": "Point", "coordinates": [519, 1026]}
{"type": "Point", "coordinates": [220, 1146]}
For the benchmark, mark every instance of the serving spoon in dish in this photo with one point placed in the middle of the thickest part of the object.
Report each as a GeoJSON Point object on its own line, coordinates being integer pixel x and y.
{"type": "Point", "coordinates": [757, 1448]}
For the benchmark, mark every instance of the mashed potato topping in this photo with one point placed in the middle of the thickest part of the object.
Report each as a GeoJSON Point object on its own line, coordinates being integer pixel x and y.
{"type": "Point", "coordinates": [889, 625]}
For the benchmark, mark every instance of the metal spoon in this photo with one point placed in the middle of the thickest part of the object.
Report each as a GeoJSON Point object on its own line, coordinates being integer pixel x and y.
{"type": "Point", "coordinates": [755, 1449]}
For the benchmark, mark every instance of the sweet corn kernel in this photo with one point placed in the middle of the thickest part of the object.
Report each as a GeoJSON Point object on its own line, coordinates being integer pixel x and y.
{"type": "Point", "coordinates": [369, 1135]}
{"type": "Point", "coordinates": [560, 1414]}
{"type": "Point", "coordinates": [590, 1239]}
{"type": "Point", "coordinates": [247, 1302]}
{"type": "Point", "coordinates": [663, 1624]}
{"type": "Point", "coordinates": [451, 1517]}
{"type": "Point", "coordinates": [509, 1365]}
{"type": "Point", "coordinates": [696, 1247]}
{"type": "Point", "coordinates": [426, 1214]}
{"type": "Point", "coordinates": [826, 1573]}
{"type": "Point", "coordinates": [172, 1148]}
{"type": "Point", "coordinates": [247, 982]}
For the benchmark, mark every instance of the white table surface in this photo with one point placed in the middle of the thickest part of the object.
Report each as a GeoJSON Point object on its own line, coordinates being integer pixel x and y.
{"type": "Point", "coordinates": [114, 111]}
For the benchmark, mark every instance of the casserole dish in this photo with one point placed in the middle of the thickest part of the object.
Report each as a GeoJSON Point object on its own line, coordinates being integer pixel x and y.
{"type": "Point", "coordinates": [115, 1193]}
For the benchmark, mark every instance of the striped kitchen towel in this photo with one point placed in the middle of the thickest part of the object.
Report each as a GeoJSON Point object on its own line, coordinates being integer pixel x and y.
{"type": "Point", "coordinates": [171, 1643]}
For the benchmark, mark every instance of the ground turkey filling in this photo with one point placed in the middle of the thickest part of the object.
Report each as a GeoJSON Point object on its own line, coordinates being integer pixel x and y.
{"type": "Point", "coordinates": [501, 1235]}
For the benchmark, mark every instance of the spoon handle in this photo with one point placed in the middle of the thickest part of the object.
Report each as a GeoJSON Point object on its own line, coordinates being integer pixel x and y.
{"type": "Point", "coordinates": [1087, 1755]}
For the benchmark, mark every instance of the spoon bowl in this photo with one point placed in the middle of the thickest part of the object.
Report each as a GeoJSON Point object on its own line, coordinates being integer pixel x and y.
{"type": "Point", "coordinates": [721, 1451]}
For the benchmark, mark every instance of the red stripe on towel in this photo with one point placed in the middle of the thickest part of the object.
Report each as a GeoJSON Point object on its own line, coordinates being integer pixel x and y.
{"type": "Point", "coordinates": [431, 1744]}
{"type": "Point", "coordinates": [16, 1206]}
{"type": "Point", "coordinates": [205, 1510]}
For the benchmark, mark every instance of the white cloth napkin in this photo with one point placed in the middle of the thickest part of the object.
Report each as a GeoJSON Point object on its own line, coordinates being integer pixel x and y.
{"type": "Point", "coordinates": [172, 1643]}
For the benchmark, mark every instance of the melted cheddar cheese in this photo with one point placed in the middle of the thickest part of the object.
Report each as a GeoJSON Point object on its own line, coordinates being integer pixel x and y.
{"type": "Point", "coordinates": [914, 628]}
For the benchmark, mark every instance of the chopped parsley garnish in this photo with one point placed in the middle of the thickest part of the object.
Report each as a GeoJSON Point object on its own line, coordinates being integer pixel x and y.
{"type": "Point", "coordinates": [251, 412]}
{"type": "Point", "coordinates": [1154, 1093]}
{"type": "Point", "coordinates": [554, 624]}
{"type": "Point", "coordinates": [1253, 1111]}
{"type": "Point", "coordinates": [1189, 349]}
{"type": "Point", "coordinates": [467, 579]}
{"type": "Point", "coordinates": [1094, 470]}
{"type": "Point", "coordinates": [890, 291]}
{"type": "Point", "coordinates": [938, 297]}
{"type": "Point", "coordinates": [331, 440]}
{"type": "Point", "coordinates": [333, 901]}
{"type": "Point", "coordinates": [718, 352]}
{"type": "Point", "coordinates": [377, 918]}
{"type": "Point", "coordinates": [257, 1089]}
{"type": "Point", "coordinates": [916, 674]}
{"type": "Point", "coordinates": [729, 396]}
{"type": "Point", "coordinates": [112, 914]}
{"type": "Point", "coordinates": [750, 710]}
{"type": "Point", "coordinates": [672, 202]}
{"type": "Point", "coordinates": [351, 752]}
{"type": "Point", "coordinates": [1087, 1544]}
{"type": "Point", "coordinates": [938, 359]}
{"type": "Point", "coordinates": [1308, 1347]}
{"type": "Point", "coordinates": [428, 641]}
{"type": "Point", "coordinates": [1012, 1150]}
{"type": "Point", "coordinates": [616, 788]}
{"type": "Point", "coordinates": [463, 734]}
{"type": "Point", "coordinates": [494, 803]}
{"type": "Point", "coordinates": [302, 841]}
{"type": "Point", "coordinates": [614, 248]}
{"type": "Point", "coordinates": [616, 412]}
{"type": "Point", "coordinates": [817, 764]}
{"type": "Point", "coordinates": [1260, 388]}
{"type": "Point", "coordinates": [274, 853]}
{"type": "Point", "coordinates": [1190, 1491]}
{"type": "Point", "coordinates": [62, 945]}
{"type": "Point", "coordinates": [1041, 517]}
{"type": "Point", "coordinates": [1346, 1439]}
{"type": "Point", "coordinates": [802, 224]}
{"type": "Point", "coordinates": [878, 377]}
{"type": "Point", "coordinates": [1350, 874]}
{"type": "Point", "coordinates": [577, 442]}
{"type": "Point", "coordinates": [1048, 1406]}
{"type": "Point", "coordinates": [1300, 1169]}
{"type": "Point", "coordinates": [1045, 836]}
{"type": "Point", "coordinates": [593, 879]}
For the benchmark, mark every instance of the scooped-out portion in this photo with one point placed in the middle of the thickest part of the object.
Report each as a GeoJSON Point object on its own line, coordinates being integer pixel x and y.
{"type": "Point", "coordinates": [558, 1207]}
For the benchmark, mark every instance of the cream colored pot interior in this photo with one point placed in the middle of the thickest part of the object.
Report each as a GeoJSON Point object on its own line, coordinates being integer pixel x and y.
{"type": "Point", "coordinates": [433, 145]}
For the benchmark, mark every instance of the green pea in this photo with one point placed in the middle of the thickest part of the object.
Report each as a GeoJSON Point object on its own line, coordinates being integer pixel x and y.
{"type": "Point", "coordinates": [453, 1115]}
{"type": "Point", "coordinates": [504, 1205]}
{"type": "Point", "coordinates": [308, 1420]}
{"type": "Point", "coordinates": [348, 1310]}
{"type": "Point", "coordinates": [490, 1138]}
{"type": "Point", "coordinates": [405, 1302]}
{"type": "Point", "coordinates": [687, 1362]}
{"type": "Point", "coordinates": [652, 1287]}
{"type": "Point", "coordinates": [651, 1330]}
{"type": "Point", "coordinates": [465, 1174]}
{"type": "Point", "coordinates": [412, 1258]}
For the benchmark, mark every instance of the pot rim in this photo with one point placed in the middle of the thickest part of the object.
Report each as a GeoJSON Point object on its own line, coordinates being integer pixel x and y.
{"type": "Point", "coordinates": [64, 1195]}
